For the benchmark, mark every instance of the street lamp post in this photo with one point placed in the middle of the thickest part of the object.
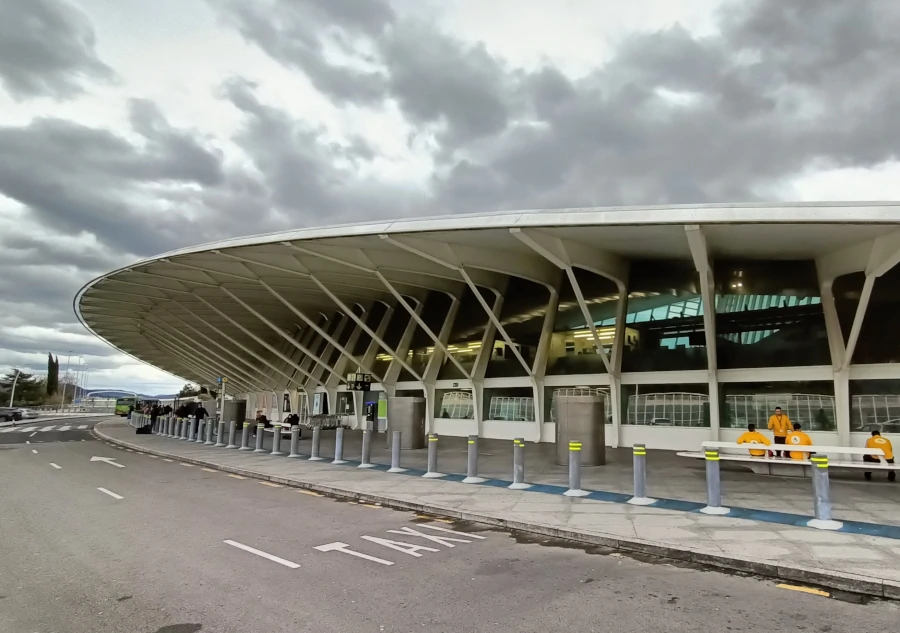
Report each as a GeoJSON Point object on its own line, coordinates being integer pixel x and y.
{"type": "Point", "coordinates": [13, 394]}
{"type": "Point", "coordinates": [62, 402]}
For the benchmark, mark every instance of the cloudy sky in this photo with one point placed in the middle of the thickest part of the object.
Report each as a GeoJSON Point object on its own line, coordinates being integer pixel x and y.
{"type": "Point", "coordinates": [128, 127]}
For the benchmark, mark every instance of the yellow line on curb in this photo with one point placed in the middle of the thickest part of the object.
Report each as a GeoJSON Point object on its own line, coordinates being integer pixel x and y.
{"type": "Point", "coordinates": [236, 476]}
{"type": "Point", "coordinates": [270, 484]}
{"type": "Point", "coordinates": [311, 493]}
{"type": "Point", "coordinates": [809, 590]}
{"type": "Point", "coordinates": [209, 470]}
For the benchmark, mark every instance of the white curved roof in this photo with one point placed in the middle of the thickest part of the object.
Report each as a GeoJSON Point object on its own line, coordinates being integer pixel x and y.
{"type": "Point", "coordinates": [182, 311]}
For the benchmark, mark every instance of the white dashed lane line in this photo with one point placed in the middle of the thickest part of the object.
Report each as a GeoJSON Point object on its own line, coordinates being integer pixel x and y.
{"type": "Point", "coordinates": [110, 493]}
{"type": "Point", "coordinates": [56, 466]}
{"type": "Point", "coordinates": [266, 555]}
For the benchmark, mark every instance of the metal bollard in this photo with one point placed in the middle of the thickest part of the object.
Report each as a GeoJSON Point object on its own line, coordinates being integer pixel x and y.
{"type": "Point", "coordinates": [170, 431]}
{"type": "Point", "coordinates": [176, 431]}
{"type": "Point", "coordinates": [167, 429]}
{"type": "Point", "coordinates": [192, 431]}
{"type": "Point", "coordinates": [295, 442]}
{"type": "Point", "coordinates": [231, 433]}
{"type": "Point", "coordinates": [339, 446]}
{"type": "Point", "coordinates": [314, 449]}
{"type": "Point", "coordinates": [575, 472]}
{"type": "Point", "coordinates": [713, 484]}
{"type": "Point", "coordinates": [201, 424]}
{"type": "Point", "coordinates": [472, 462]}
{"type": "Point", "coordinates": [220, 436]}
{"type": "Point", "coordinates": [186, 429]}
{"type": "Point", "coordinates": [259, 438]}
{"type": "Point", "coordinates": [519, 465]}
{"type": "Point", "coordinates": [245, 437]}
{"type": "Point", "coordinates": [640, 497]}
{"type": "Point", "coordinates": [366, 450]}
{"type": "Point", "coordinates": [822, 496]}
{"type": "Point", "coordinates": [396, 437]}
{"type": "Point", "coordinates": [432, 472]}
{"type": "Point", "coordinates": [276, 439]}
{"type": "Point", "coordinates": [210, 424]}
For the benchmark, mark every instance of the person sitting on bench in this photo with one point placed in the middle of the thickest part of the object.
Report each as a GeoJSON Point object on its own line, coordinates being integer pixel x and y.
{"type": "Point", "coordinates": [876, 441]}
{"type": "Point", "coordinates": [780, 425]}
{"type": "Point", "coordinates": [798, 438]}
{"type": "Point", "coordinates": [752, 436]}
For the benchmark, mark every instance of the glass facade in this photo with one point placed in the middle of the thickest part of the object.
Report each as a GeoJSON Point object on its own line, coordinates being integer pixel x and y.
{"type": "Point", "coordinates": [572, 347]}
{"type": "Point", "coordinates": [455, 404]}
{"type": "Point", "coordinates": [664, 319]}
{"type": "Point", "coordinates": [422, 346]}
{"type": "Point", "coordinates": [509, 404]}
{"type": "Point", "coordinates": [392, 335]}
{"type": "Point", "coordinates": [879, 337]}
{"type": "Point", "coordinates": [666, 405]}
{"type": "Point", "coordinates": [466, 334]}
{"type": "Point", "coordinates": [811, 403]}
{"type": "Point", "coordinates": [769, 314]}
{"type": "Point", "coordinates": [522, 317]}
{"type": "Point", "coordinates": [875, 405]}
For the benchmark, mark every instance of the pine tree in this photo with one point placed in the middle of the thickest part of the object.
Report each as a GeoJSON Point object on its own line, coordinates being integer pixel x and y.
{"type": "Point", "coordinates": [52, 375]}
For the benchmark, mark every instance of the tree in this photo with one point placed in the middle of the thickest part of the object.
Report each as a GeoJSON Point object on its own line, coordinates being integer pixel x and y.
{"type": "Point", "coordinates": [52, 375]}
{"type": "Point", "coordinates": [29, 389]}
{"type": "Point", "coordinates": [188, 391]}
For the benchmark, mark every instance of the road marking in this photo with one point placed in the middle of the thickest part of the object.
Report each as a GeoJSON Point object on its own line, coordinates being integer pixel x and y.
{"type": "Point", "coordinates": [209, 470]}
{"type": "Point", "coordinates": [311, 493]}
{"type": "Point", "coordinates": [343, 547]}
{"type": "Point", "coordinates": [65, 427]}
{"type": "Point", "coordinates": [232, 476]}
{"type": "Point", "coordinates": [810, 590]}
{"type": "Point", "coordinates": [154, 456]}
{"type": "Point", "coordinates": [56, 466]}
{"type": "Point", "coordinates": [27, 442]}
{"type": "Point", "coordinates": [167, 460]}
{"type": "Point", "coordinates": [186, 464]}
{"type": "Point", "coordinates": [130, 450]}
{"type": "Point", "coordinates": [370, 505]}
{"type": "Point", "coordinates": [446, 541]}
{"type": "Point", "coordinates": [34, 450]}
{"type": "Point", "coordinates": [400, 546]}
{"type": "Point", "coordinates": [27, 429]}
{"type": "Point", "coordinates": [270, 484]}
{"type": "Point", "coordinates": [109, 460]}
{"type": "Point", "coordinates": [110, 493]}
{"type": "Point", "coordinates": [253, 550]}
{"type": "Point", "coordinates": [82, 427]}
{"type": "Point", "coordinates": [33, 434]}
{"type": "Point", "coordinates": [47, 428]}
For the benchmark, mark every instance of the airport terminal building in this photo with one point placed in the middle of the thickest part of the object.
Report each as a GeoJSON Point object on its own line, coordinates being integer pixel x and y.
{"type": "Point", "coordinates": [688, 321]}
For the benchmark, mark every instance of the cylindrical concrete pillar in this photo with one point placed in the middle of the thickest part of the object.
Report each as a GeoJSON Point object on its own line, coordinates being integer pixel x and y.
{"type": "Point", "coordinates": [201, 426]}
{"type": "Point", "coordinates": [260, 428]}
{"type": "Point", "coordinates": [220, 437]}
{"type": "Point", "coordinates": [396, 442]}
{"type": "Point", "coordinates": [366, 450]}
{"type": "Point", "coordinates": [472, 462]}
{"type": "Point", "coordinates": [245, 437]}
{"type": "Point", "coordinates": [210, 428]}
{"type": "Point", "coordinates": [232, 430]}
{"type": "Point", "coordinates": [192, 432]}
{"type": "Point", "coordinates": [822, 495]}
{"type": "Point", "coordinates": [339, 446]}
{"type": "Point", "coordinates": [295, 441]}
{"type": "Point", "coordinates": [432, 471]}
{"type": "Point", "coordinates": [276, 439]}
{"type": "Point", "coordinates": [316, 440]}
{"type": "Point", "coordinates": [713, 484]}
{"type": "Point", "coordinates": [640, 497]}
{"type": "Point", "coordinates": [519, 465]}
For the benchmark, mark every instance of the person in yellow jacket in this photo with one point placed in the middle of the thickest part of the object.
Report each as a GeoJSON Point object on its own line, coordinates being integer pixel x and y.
{"type": "Point", "coordinates": [780, 425]}
{"type": "Point", "coordinates": [798, 438]}
{"type": "Point", "coordinates": [876, 441]}
{"type": "Point", "coordinates": [752, 436]}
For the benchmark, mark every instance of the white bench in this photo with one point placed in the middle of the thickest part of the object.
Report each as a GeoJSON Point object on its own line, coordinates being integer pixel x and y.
{"type": "Point", "coordinates": [787, 466]}
{"type": "Point", "coordinates": [285, 430]}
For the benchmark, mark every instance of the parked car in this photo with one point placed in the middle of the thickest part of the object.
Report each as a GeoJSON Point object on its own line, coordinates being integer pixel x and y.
{"type": "Point", "coordinates": [28, 414]}
{"type": "Point", "coordinates": [8, 414]}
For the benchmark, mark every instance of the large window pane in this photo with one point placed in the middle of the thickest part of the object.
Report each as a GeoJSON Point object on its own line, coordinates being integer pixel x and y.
{"type": "Point", "coordinates": [811, 403]}
{"type": "Point", "coordinates": [572, 347]}
{"type": "Point", "coordinates": [847, 290]}
{"type": "Point", "coordinates": [666, 405]}
{"type": "Point", "coordinates": [372, 320]}
{"type": "Point", "coordinates": [422, 347]}
{"type": "Point", "coordinates": [875, 405]}
{"type": "Point", "coordinates": [879, 338]}
{"type": "Point", "coordinates": [392, 335]}
{"type": "Point", "coordinates": [510, 404]}
{"type": "Point", "coordinates": [455, 404]}
{"type": "Point", "coordinates": [551, 393]}
{"type": "Point", "coordinates": [769, 314]}
{"type": "Point", "coordinates": [522, 316]}
{"type": "Point", "coordinates": [664, 330]}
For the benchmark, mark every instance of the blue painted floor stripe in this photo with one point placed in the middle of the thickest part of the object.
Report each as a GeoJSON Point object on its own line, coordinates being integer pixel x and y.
{"type": "Point", "coordinates": [765, 516]}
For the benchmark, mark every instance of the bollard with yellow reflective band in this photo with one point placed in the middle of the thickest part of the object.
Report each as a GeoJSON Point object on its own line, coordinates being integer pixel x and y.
{"type": "Point", "coordinates": [519, 465]}
{"type": "Point", "coordinates": [260, 428]}
{"type": "Point", "coordinates": [210, 427]}
{"type": "Point", "coordinates": [192, 430]}
{"type": "Point", "coordinates": [276, 439]}
{"type": "Point", "coordinates": [396, 439]}
{"type": "Point", "coordinates": [316, 443]}
{"type": "Point", "coordinates": [245, 437]}
{"type": "Point", "coordinates": [295, 441]}
{"type": "Point", "coordinates": [433, 472]}
{"type": "Point", "coordinates": [575, 472]}
{"type": "Point", "coordinates": [232, 429]}
{"type": "Point", "coordinates": [220, 435]}
{"type": "Point", "coordinates": [822, 495]}
{"type": "Point", "coordinates": [713, 484]}
{"type": "Point", "coordinates": [640, 497]}
{"type": "Point", "coordinates": [472, 462]}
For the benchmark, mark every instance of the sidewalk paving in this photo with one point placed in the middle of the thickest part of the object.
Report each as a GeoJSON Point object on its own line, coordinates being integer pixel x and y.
{"type": "Point", "coordinates": [856, 562]}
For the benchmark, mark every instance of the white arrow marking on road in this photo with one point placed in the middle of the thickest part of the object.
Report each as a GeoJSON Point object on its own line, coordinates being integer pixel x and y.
{"type": "Point", "coordinates": [56, 466]}
{"type": "Point", "coordinates": [108, 460]}
{"type": "Point", "coordinates": [110, 493]}
{"type": "Point", "coordinates": [270, 557]}
{"type": "Point", "coordinates": [343, 547]}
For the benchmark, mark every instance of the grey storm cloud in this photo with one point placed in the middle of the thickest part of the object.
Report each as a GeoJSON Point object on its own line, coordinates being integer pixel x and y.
{"type": "Point", "coordinates": [47, 49]}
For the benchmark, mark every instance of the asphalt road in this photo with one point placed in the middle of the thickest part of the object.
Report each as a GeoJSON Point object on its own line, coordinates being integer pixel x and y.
{"type": "Point", "coordinates": [170, 556]}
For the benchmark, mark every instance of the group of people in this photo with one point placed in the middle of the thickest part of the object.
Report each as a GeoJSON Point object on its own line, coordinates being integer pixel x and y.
{"type": "Point", "coordinates": [789, 434]}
